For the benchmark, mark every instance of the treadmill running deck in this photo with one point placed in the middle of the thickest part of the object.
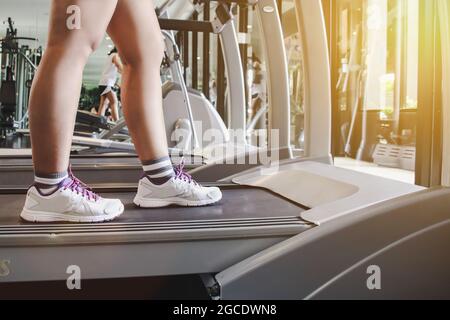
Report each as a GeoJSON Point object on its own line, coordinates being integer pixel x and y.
{"type": "Point", "coordinates": [238, 204]}
{"type": "Point", "coordinates": [167, 241]}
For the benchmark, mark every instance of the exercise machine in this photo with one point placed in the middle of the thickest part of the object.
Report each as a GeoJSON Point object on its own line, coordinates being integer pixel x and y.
{"type": "Point", "coordinates": [297, 229]}
{"type": "Point", "coordinates": [272, 232]}
{"type": "Point", "coordinates": [18, 65]}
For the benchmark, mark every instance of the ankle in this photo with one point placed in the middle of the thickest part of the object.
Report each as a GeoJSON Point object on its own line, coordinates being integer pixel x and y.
{"type": "Point", "coordinates": [159, 171]}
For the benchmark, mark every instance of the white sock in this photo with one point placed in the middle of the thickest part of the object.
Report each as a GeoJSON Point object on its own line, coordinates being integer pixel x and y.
{"type": "Point", "coordinates": [50, 179]}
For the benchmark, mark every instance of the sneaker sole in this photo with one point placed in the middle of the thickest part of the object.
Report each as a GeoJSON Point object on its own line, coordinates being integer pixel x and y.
{"type": "Point", "coordinates": [159, 203]}
{"type": "Point", "coordinates": [40, 216]}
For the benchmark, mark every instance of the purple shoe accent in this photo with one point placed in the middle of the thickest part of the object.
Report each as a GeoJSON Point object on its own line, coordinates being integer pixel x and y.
{"type": "Point", "coordinates": [180, 174]}
{"type": "Point", "coordinates": [72, 183]}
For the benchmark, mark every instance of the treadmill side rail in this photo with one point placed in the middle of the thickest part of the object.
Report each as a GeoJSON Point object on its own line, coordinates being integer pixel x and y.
{"type": "Point", "coordinates": [137, 254]}
{"type": "Point", "coordinates": [407, 238]}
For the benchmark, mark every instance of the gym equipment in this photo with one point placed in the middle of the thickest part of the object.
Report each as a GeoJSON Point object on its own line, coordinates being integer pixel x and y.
{"type": "Point", "coordinates": [93, 120]}
{"type": "Point", "coordinates": [394, 156]}
{"type": "Point", "coordinates": [303, 216]}
{"type": "Point", "coordinates": [198, 108]}
{"type": "Point", "coordinates": [174, 62]}
{"type": "Point", "coordinates": [299, 229]}
{"type": "Point", "coordinates": [18, 64]}
{"type": "Point", "coordinates": [203, 112]}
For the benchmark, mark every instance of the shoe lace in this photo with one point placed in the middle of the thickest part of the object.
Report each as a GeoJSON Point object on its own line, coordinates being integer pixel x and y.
{"type": "Point", "coordinates": [80, 187]}
{"type": "Point", "coordinates": [180, 174]}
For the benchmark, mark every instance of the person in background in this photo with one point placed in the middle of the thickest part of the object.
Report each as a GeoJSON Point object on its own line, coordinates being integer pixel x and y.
{"type": "Point", "coordinates": [110, 75]}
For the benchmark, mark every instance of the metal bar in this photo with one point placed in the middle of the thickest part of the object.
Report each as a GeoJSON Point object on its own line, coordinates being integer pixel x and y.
{"type": "Point", "coordinates": [186, 25]}
{"type": "Point", "coordinates": [277, 74]}
{"type": "Point", "coordinates": [31, 63]}
{"type": "Point", "coordinates": [179, 39]}
{"type": "Point", "coordinates": [280, 9]}
{"type": "Point", "coordinates": [400, 46]}
{"type": "Point", "coordinates": [185, 54]}
{"type": "Point", "coordinates": [243, 47]}
{"type": "Point", "coordinates": [333, 34]}
{"type": "Point", "coordinates": [235, 102]}
{"type": "Point", "coordinates": [206, 48]}
{"type": "Point", "coordinates": [195, 53]}
{"type": "Point", "coordinates": [220, 82]}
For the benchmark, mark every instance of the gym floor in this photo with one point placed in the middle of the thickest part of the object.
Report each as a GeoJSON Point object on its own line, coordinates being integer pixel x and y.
{"type": "Point", "coordinates": [373, 169]}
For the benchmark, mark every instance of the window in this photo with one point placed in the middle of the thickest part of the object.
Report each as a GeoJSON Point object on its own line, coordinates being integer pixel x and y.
{"type": "Point", "coordinates": [376, 63]}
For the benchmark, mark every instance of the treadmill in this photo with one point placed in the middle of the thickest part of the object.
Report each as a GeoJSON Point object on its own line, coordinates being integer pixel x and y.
{"type": "Point", "coordinates": [261, 231]}
{"type": "Point", "coordinates": [148, 242]}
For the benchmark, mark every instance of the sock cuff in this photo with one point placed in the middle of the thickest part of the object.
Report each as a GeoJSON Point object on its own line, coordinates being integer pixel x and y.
{"type": "Point", "coordinates": [155, 161]}
{"type": "Point", "coordinates": [50, 179]}
{"type": "Point", "coordinates": [157, 165]}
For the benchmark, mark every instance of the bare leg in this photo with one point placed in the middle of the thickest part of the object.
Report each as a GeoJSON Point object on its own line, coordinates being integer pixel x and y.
{"type": "Point", "coordinates": [56, 88]}
{"type": "Point", "coordinates": [135, 30]}
{"type": "Point", "coordinates": [102, 106]}
{"type": "Point", "coordinates": [114, 105]}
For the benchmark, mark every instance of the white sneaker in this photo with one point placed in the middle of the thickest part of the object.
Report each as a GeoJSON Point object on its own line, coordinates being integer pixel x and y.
{"type": "Point", "coordinates": [181, 190]}
{"type": "Point", "coordinates": [71, 201]}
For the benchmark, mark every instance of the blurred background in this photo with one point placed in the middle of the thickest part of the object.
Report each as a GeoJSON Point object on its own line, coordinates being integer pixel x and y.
{"type": "Point", "coordinates": [387, 117]}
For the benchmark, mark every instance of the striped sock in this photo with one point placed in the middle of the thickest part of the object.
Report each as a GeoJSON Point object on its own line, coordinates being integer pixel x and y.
{"type": "Point", "coordinates": [49, 181]}
{"type": "Point", "coordinates": [158, 171]}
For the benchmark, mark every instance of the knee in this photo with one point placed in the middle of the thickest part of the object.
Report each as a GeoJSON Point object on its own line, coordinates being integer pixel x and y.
{"type": "Point", "coordinates": [77, 52]}
{"type": "Point", "coordinates": [147, 55]}
{"type": "Point", "coordinates": [94, 44]}
{"type": "Point", "coordinates": [78, 48]}
{"type": "Point", "coordinates": [90, 45]}
{"type": "Point", "coordinates": [113, 99]}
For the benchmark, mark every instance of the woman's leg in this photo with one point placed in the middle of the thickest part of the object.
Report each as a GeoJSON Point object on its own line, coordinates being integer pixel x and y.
{"type": "Point", "coordinates": [135, 30]}
{"type": "Point", "coordinates": [56, 87]}
{"type": "Point", "coordinates": [102, 105]}
{"type": "Point", "coordinates": [114, 105]}
{"type": "Point", "coordinates": [57, 196]}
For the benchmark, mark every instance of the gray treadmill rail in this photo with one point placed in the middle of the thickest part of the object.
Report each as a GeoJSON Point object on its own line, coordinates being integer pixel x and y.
{"type": "Point", "coordinates": [407, 237]}
{"type": "Point", "coordinates": [97, 170]}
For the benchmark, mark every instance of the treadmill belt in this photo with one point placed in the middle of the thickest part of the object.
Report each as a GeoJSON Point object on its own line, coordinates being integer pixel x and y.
{"type": "Point", "coordinates": [237, 204]}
